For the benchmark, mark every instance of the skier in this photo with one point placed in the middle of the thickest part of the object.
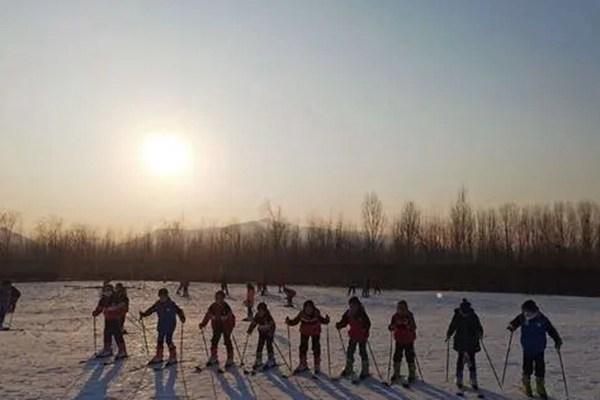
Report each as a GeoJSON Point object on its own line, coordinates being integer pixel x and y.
{"type": "Point", "coordinates": [405, 333]}
{"type": "Point", "coordinates": [121, 295]}
{"type": "Point", "coordinates": [356, 317]}
{"type": "Point", "coordinates": [166, 310]}
{"type": "Point", "coordinates": [289, 296]}
{"type": "Point", "coordinates": [113, 311]}
{"type": "Point", "coordinates": [224, 287]}
{"type": "Point", "coordinates": [366, 292]}
{"type": "Point", "coordinates": [310, 321]}
{"type": "Point", "coordinates": [263, 288]}
{"type": "Point", "coordinates": [249, 302]}
{"type": "Point", "coordinates": [352, 289]}
{"type": "Point", "coordinates": [183, 289]}
{"type": "Point", "coordinates": [467, 331]}
{"type": "Point", "coordinates": [534, 327]}
{"type": "Point", "coordinates": [9, 295]}
{"type": "Point", "coordinates": [266, 333]}
{"type": "Point", "coordinates": [222, 322]}
{"type": "Point", "coordinates": [376, 288]}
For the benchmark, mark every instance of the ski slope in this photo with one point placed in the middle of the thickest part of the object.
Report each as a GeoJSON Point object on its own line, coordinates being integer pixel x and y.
{"type": "Point", "coordinates": [41, 358]}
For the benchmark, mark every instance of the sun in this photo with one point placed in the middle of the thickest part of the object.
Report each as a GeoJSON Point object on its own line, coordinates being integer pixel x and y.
{"type": "Point", "coordinates": [166, 155]}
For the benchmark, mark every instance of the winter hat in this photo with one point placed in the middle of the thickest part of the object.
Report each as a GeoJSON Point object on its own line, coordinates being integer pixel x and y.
{"type": "Point", "coordinates": [354, 300]}
{"type": "Point", "coordinates": [465, 306]}
{"type": "Point", "coordinates": [163, 292]}
{"type": "Point", "coordinates": [262, 306]}
{"type": "Point", "coordinates": [220, 293]}
{"type": "Point", "coordinates": [309, 303]}
{"type": "Point", "coordinates": [530, 305]}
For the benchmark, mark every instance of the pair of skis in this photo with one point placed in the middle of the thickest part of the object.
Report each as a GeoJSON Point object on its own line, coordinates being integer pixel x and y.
{"type": "Point", "coordinates": [462, 392]}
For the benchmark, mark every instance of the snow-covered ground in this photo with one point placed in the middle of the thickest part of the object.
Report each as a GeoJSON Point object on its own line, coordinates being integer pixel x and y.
{"type": "Point", "coordinates": [42, 361]}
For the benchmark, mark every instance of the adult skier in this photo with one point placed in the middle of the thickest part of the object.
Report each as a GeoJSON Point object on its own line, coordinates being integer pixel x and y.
{"type": "Point", "coordinates": [9, 295]}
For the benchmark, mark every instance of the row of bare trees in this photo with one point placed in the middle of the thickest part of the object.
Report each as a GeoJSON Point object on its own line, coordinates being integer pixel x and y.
{"type": "Point", "coordinates": [562, 234]}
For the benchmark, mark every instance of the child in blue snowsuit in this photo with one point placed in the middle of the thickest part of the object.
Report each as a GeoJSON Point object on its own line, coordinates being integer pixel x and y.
{"type": "Point", "coordinates": [9, 295]}
{"type": "Point", "coordinates": [167, 312]}
{"type": "Point", "coordinates": [534, 327]}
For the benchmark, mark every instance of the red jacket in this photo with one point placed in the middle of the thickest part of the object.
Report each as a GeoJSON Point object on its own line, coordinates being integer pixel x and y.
{"type": "Point", "coordinates": [220, 316]}
{"type": "Point", "coordinates": [359, 325]}
{"type": "Point", "coordinates": [310, 325]}
{"type": "Point", "coordinates": [404, 328]}
{"type": "Point", "coordinates": [112, 307]}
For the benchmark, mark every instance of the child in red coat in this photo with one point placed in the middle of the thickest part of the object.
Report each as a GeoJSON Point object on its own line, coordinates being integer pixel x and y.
{"type": "Point", "coordinates": [222, 322]}
{"type": "Point", "coordinates": [310, 321]}
{"type": "Point", "coordinates": [405, 333]}
{"type": "Point", "coordinates": [114, 309]}
{"type": "Point", "coordinates": [356, 317]}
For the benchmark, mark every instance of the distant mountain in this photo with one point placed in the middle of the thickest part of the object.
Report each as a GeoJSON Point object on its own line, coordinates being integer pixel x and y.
{"type": "Point", "coordinates": [15, 240]}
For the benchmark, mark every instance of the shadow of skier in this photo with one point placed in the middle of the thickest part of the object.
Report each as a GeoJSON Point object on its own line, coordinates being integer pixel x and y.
{"type": "Point", "coordinates": [165, 390]}
{"type": "Point", "coordinates": [96, 385]}
{"type": "Point", "coordinates": [238, 392]}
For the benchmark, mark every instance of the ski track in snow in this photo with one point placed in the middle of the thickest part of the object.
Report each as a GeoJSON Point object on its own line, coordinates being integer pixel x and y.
{"type": "Point", "coordinates": [44, 360]}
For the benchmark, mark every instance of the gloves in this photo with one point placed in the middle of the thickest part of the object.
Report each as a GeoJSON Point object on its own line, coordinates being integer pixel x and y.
{"type": "Point", "coordinates": [141, 315]}
{"type": "Point", "coordinates": [511, 328]}
{"type": "Point", "coordinates": [327, 320]}
{"type": "Point", "coordinates": [391, 328]}
{"type": "Point", "coordinates": [558, 344]}
{"type": "Point", "coordinates": [183, 319]}
{"type": "Point", "coordinates": [287, 320]}
{"type": "Point", "coordinates": [201, 326]}
{"type": "Point", "coordinates": [338, 326]}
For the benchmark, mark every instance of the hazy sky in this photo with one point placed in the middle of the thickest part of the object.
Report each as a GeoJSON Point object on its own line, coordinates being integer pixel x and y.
{"type": "Point", "coordinates": [307, 103]}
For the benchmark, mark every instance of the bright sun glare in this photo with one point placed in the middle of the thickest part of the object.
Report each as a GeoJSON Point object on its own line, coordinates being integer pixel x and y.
{"type": "Point", "coordinates": [166, 155]}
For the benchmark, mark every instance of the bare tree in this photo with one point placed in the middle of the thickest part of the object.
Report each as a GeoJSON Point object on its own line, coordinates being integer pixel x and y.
{"type": "Point", "coordinates": [8, 221]}
{"type": "Point", "coordinates": [406, 230]}
{"type": "Point", "coordinates": [374, 220]}
{"type": "Point", "coordinates": [462, 225]}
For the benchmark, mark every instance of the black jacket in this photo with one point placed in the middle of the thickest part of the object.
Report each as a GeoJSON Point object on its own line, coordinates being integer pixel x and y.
{"type": "Point", "coordinates": [467, 331]}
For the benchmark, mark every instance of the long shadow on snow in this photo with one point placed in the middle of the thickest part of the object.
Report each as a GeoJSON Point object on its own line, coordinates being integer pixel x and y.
{"type": "Point", "coordinates": [96, 385]}
{"type": "Point", "coordinates": [285, 385]}
{"type": "Point", "coordinates": [166, 390]}
{"type": "Point", "coordinates": [242, 391]}
{"type": "Point", "coordinates": [340, 388]}
{"type": "Point", "coordinates": [385, 391]}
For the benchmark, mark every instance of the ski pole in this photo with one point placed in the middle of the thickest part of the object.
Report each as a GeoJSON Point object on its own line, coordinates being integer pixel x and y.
{"type": "Point", "coordinates": [419, 367]}
{"type": "Point", "coordinates": [507, 353]}
{"type": "Point", "coordinates": [448, 360]}
{"type": "Point", "coordinates": [374, 361]}
{"type": "Point", "coordinates": [282, 356]}
{"type": "Point", "coordinates": [244, 351]}
{"type": "Point", "coordinates": [204, 342]}
{"type": "Point", "coordinates": [342, 341]}
{"type": "Point", "coordinates": [328, 351]}
{"type": "Point", "coordinates": [95, 338]}
{"type": "Point", "coordinates": [181, 344]}
{"type": "Point", "coordinates": [562, 369]}
{"type": "Point", "coordinates": [236, 347]}
{"type": "Point", "coordinates": [144, 336]}
{"type": "Point", "coordinates": [289, 345]}
{"type": "Point", "coordinates": [491, 364]}
{"type": "Point", "coordinates": [390, 357]}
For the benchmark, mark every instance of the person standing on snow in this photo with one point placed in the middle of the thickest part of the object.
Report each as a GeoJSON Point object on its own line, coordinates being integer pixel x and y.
{"type": "Point", "coordinates": [266, 334]}
{"type": "Point", "coordinates": [356, 317]}
{"type": "Point", "coordinates": [404, 328]}
{"type": "Point", "coordinates": [167, 312]}
{"type": "Point", "coordinates": [121, 295]}
{"type": "Point", "coordinates": [289, 296]}
{"type": "Point", "coordinates": [9, 295]}
{"type": "Point", "coordinates": [114, 310]}
{"type": "Point", "coordinates": [249, 302]}
{"type": "Point", "coordinates": [534, 327]}
{"type": "Point", "coordinates": [222, 322]}
{"type": "Point", "coordinates": [467, 331]}
{"type": "Point", "coordinates": [310, 321]}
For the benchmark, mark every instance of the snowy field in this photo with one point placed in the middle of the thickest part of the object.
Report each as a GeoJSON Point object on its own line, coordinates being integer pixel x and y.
{"type": "Point", "coordinates": [41, 358]}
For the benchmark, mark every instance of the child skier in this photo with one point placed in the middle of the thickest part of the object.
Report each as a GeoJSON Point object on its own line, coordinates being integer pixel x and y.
{"type": "Point", "coordinates": [289, 296]}
{"type": "Point", "coordinates": [167, 312]}
{"type": "Point", "coordinates": [266, 333]}
{"type": "Point", "coordinates": [9, 295]}
{"type": "Point", "coordinates": [467, 331]}
{"type": "Point", "coordinates": [310, 321]}
{"type": "Point", "coordinates": [356, 317]}
{"type": "Point", "coordinates": [405, 333]}
{"type": "Point", "coordinates": [249, 302]}
{"type": "Point", "coordinates": [121, 295]}
{"type": "Point", "coordinates": [222, 322]}
{"type": "Point", "coordinates": [534, 327]}
{"type": "Point", "coordinates": [113, 311]}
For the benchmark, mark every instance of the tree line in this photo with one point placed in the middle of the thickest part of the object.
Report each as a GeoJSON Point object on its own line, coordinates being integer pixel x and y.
{"type": "Point", "coordinates": [559, 237]}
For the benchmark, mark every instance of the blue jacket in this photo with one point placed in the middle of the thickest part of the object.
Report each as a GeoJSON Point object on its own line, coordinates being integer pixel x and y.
{"type": "Point", "coordinates": [533, 332]}
{"type": "Point", "coordinates": [167, 315]}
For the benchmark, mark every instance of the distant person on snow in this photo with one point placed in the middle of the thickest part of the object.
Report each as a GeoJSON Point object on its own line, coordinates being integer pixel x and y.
{"type": "Point", "coordinates": [310, 321]}
{"type": "Point", "coordinates": [366, 292]}
{"type": "Point", "coordinates": [222, 322]}
{"type": "Point", "coordinates": [249, 302]}
{"type": "Point", "coordinates": [357, 319]}
{"type": "Point", "coordinates": [376, 288]}
{"type": "Point", "coordinates": [113, 309]}
{"type": "Point", "coordinates": [534, 327]}
{"type": "Point", "coordinates": [263, 289]}
{"type": "Point", "coordinates": [224, 287]}
{"type": "Point", "coordinates": [167, 312]}
{"type": "Point", "coordinates": [184, 289]}
{"type": "Point", "coordinates": [121, 295]}
{"type": "Point", "coordinates": [352, 289]}
{"type": "Point", "coordinates": [404, 328]}
{"type": "Point", "coordinates": [289, 296]}
{"type": "Point", "coordinates": [9, 295]}
{"type": "Point", "coordinates": [265, 324]}
{"type": "Point", "coordinates": [467, 331]}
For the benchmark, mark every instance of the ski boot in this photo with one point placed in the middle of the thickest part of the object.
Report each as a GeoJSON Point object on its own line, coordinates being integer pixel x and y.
{"type": "Point", "coordinates": [348, 370]}
{"type": "Point", "coordinates": [396, 375]}
{"type": "Point", "coordinates": [229, 362]}
{"type": "Point", "coordinates": [258, 363]}
{"type": "Point", "coordinates": [317, 365]}
{"type": "Point", "coordinates": [459, 384]}
{"type": "Point", "coordinates": [527, 386]}
{"type": "Point", "coordinates": [214, 358]}
{"type": "Point", "coordinates": [105, 352]}
{"type": "Point", "coordinates": [540, 388]}
{"type": "Point", "coordinates": [302, 366]}
{"type": "Point", "coordinates": [364, 372]}
{"type": "Point", "coordinates": [158, 358]}
{"type": "Point", "coordinates": [473, 379]}
{"type": "Point", "coordinates": [412, 373]}
{"type": "Point", "coordinates": [122, 353]}
{"type": "Point", "coordinates": [172, 355]}
{"type": "Point", "coordinates": [270, 362]}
